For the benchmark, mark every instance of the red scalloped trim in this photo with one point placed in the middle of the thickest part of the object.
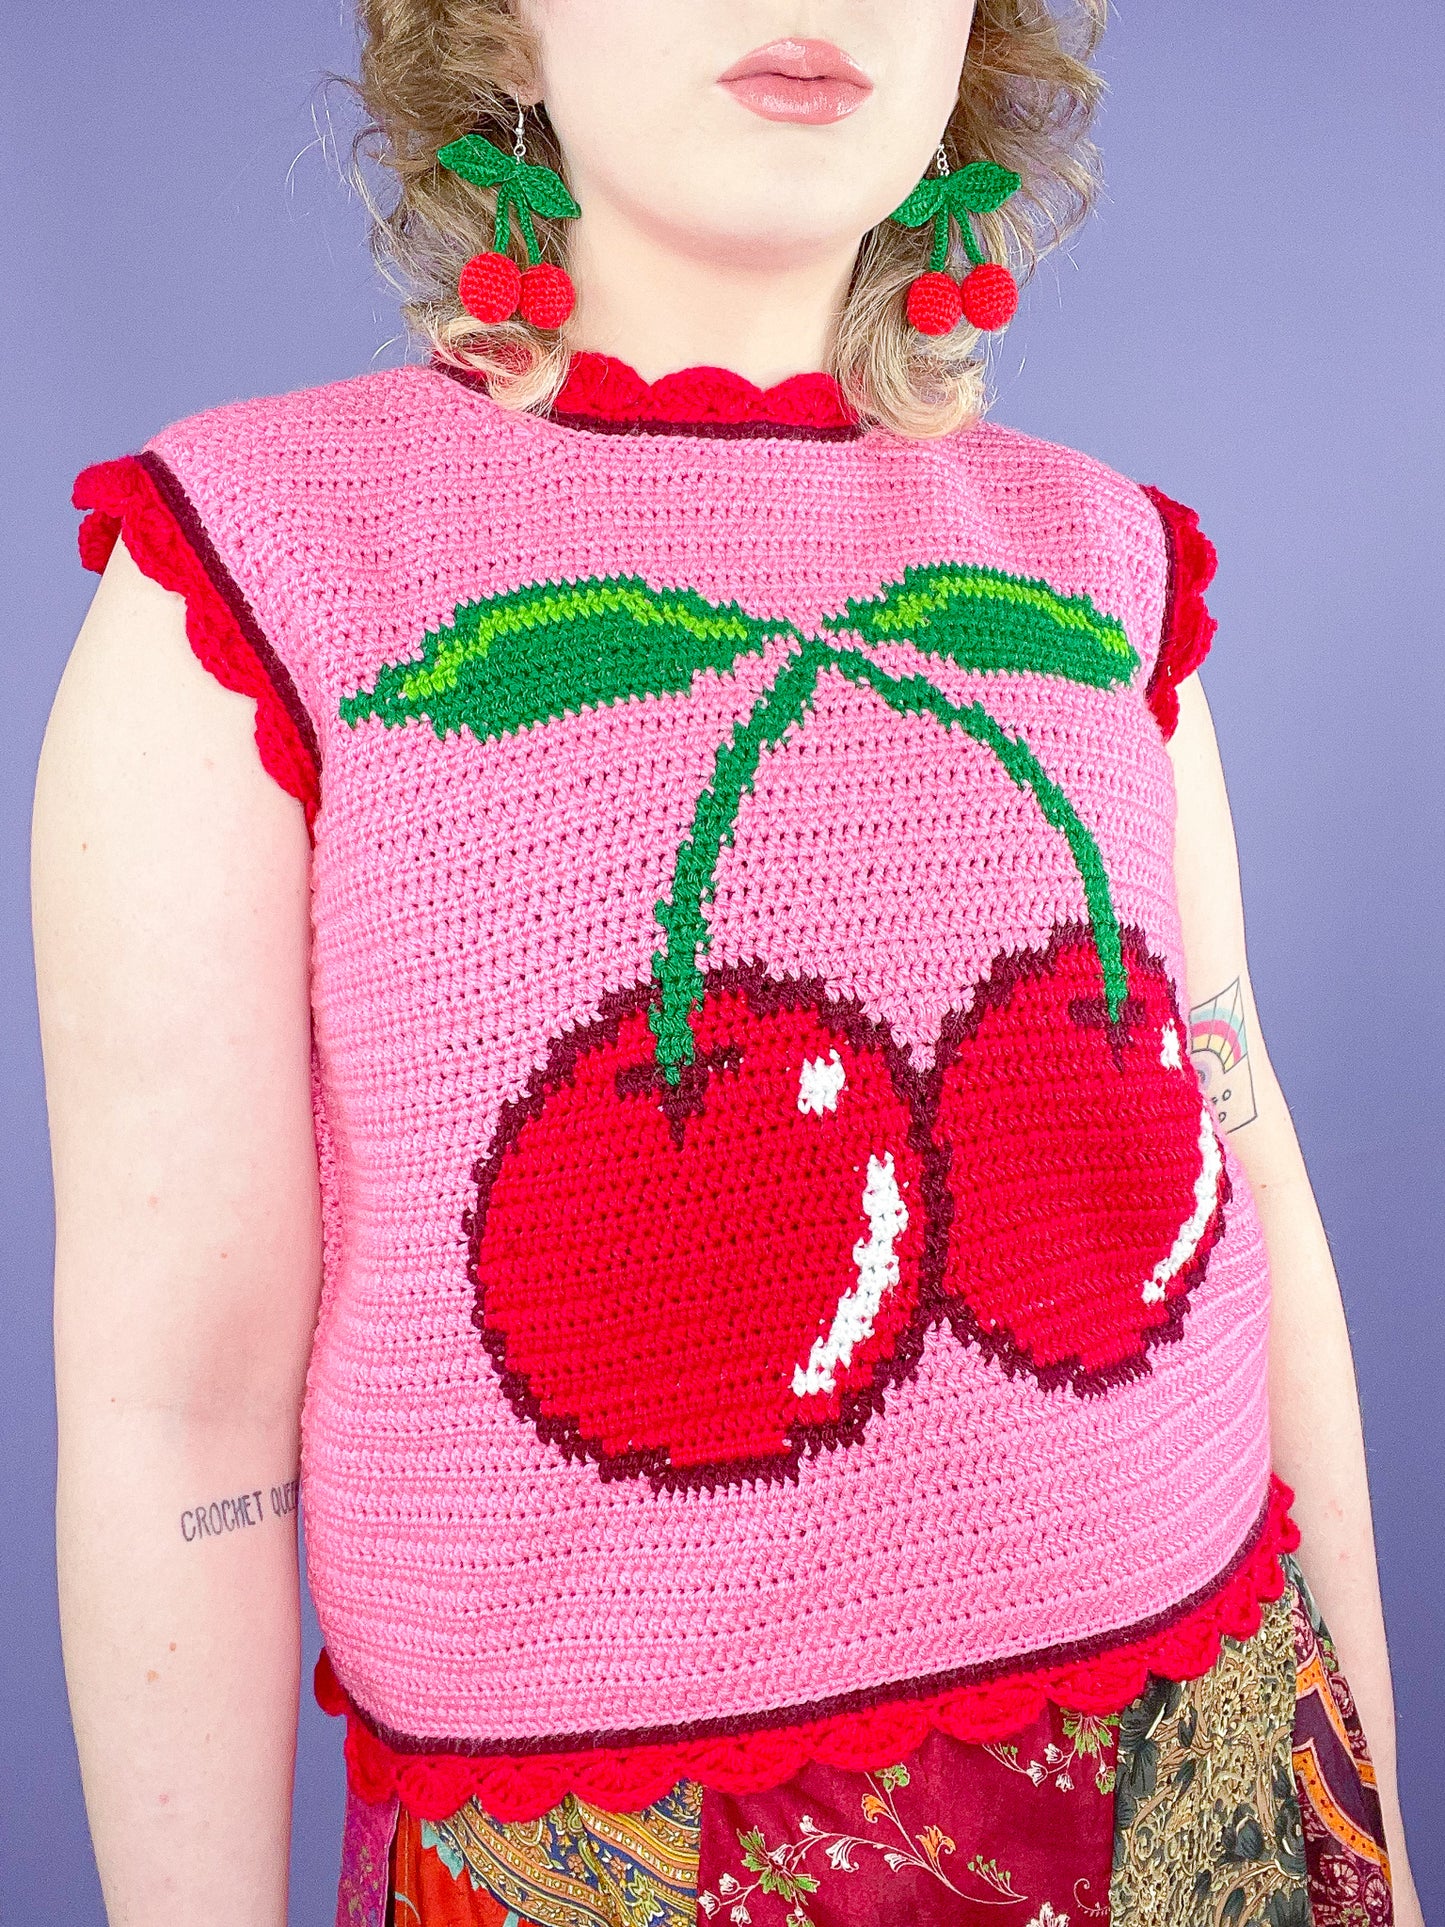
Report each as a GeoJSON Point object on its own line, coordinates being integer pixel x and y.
{"type": "Point", "coordinates": [624, 1779]}
{"type": "Point", "coordinates": [1188, 626]}
{"type": "Point", "coordinates": [139, 498]}
{"type": "Point", "coordinates": [602, 391]}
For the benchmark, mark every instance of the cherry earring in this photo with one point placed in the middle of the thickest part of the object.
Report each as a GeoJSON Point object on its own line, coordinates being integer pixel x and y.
{"type": "Point", "coordinates": [491, 286]}
{"type": "Point", "coordinates": [988, 296]}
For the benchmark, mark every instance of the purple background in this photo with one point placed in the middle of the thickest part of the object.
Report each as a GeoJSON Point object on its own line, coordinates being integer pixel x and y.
{"type": "Point", "coordinates": [1253, 322]}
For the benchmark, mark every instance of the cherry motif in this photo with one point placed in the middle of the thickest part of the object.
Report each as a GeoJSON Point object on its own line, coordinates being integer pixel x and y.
{"type": "Point", "coordinates": [693, 1279]}
{"type": "Point", "coordinates": [721, 1217]}
{"type": "Point", "coordinates": [989, 296]}
{"type": "Point", "coordinates": [935, 305]}
{"type": "Point", "coordinates": [493, 288]}
{"type": "Point", "coordinates": [546, 297]}
{"type": "Point", "coordinates": [1085, 1185]}
{"type": "Point", "coordinates": [489, 287]}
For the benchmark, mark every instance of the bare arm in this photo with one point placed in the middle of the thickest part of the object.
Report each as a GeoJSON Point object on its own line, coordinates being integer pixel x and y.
{"type": "Point", "coordinates": [170, 907]}
{"type": "Point", "coordinates": [1315, 1415]}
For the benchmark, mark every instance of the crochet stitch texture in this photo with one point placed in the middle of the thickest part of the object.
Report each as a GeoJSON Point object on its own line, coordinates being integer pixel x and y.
{"type": "Point", "coordinates": [783, 1284]}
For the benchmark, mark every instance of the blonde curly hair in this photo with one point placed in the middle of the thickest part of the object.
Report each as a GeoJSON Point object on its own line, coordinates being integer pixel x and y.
{"type": "Point", "coordinates": [432, 70]}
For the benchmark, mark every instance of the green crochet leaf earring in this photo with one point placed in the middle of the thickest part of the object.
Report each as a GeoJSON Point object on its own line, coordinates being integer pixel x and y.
{"type": "Point", "coordinates": [491, 286]}
{"type": "Point", "coordinates": [988, 295]}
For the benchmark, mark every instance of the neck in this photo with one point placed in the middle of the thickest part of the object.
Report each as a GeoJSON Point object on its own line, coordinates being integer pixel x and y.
{"type": "Point", "coordinates": [660, 310]}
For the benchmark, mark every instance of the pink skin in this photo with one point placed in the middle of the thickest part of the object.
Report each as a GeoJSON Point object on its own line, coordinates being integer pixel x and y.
{"type": "Point", "coordinates": [811, 82]}
{"type": "Point", "coordinates": [725, 191]}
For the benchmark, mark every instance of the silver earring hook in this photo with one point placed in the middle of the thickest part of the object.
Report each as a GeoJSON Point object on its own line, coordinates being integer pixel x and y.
{"type": "Point", "coordinates": [940, 161]}
{"type": "Point", "coordinates": [519, 139]}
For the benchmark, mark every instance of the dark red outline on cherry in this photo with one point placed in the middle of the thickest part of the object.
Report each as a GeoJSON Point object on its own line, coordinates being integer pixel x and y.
{"type": "Point", "coordinates": [919, 1094]}
{"type": "Point", "coordinates": [764, 995]}
{"type": "Point", "coordinates": [1027, 1335]}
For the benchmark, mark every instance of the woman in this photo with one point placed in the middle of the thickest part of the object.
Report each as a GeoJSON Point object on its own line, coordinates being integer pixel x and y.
{"type": "Point", "coordinates": [659, 1048]}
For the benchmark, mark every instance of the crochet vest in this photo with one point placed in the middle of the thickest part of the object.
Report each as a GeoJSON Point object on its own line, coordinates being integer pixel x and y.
{"type": "Point", "coordinates": [784, 1287]}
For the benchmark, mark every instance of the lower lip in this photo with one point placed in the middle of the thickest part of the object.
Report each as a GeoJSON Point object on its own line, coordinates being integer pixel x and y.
{"type": "Point", "coordinates": [782, 97]}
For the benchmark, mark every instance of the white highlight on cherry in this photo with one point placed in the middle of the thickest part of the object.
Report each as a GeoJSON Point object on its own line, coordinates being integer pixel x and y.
{"type": "Point", "coordinates": [878, 1272]}
{"type": "Point", "coordinates": [1206, 1192]}
{"type": "Point", "coordinates": [820, 1083]}
{"type": "Point", "coordinates": [1170, 1054]}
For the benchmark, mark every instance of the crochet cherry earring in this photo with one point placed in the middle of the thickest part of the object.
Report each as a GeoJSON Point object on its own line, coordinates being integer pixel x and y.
{"type": "Point", "coordinates": [988, 296]}
{"type": "Point", "coordinates": [491, 286]}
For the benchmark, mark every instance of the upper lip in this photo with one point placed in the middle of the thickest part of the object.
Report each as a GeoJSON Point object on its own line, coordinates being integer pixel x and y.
{"type": "Point", "coordinates": [799, 60]}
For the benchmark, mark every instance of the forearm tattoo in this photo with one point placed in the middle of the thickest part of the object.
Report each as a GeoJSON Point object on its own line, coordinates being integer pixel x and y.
{"type": "Point", "coordinates": [238, 1511]}
{"type": "Point", "coordinates": [1219, 1047]}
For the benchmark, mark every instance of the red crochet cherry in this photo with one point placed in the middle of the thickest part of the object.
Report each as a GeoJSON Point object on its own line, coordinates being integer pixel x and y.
{"type": "Point", "coordinates": [935, 306]}
{"type": "Point", "coordinates": [989, 296]}
{"type": "Point", "coordinates": [548, 296]}
{"type": "Point", "coordinates": [692, 1279]}
{"type": "Point", "coordinates": [1086, 1184]}
{"type": "Point", "coordinates": [490, 286]}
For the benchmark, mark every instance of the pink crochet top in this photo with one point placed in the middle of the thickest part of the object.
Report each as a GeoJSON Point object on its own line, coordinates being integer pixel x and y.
{"type": "Point", "coordinates": [784, 1287]}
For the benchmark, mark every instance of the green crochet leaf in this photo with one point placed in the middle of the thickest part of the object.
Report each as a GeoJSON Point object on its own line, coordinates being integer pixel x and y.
{"type": "Point", "coordinates": [979, 188]}
{"type": "Point", "coordinates": [923, 203]}
{"type": "Point", "coordinates": [985, 619]}
{"type": "Point", "coordinates": [556, 648]}
{"type": "Point", "coordinates": [545, 193]}
{"type": "Point", "coordinates": [538, 189]}
{"type": "Point", "coordinates": [476, 160]}
{"type": "Point", "coordinates": [682, 915]}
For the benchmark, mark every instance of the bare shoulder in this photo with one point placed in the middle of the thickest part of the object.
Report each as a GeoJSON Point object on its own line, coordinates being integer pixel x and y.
{"type": "Point", "coordinates": [169, 873]}
{"type": "Point", "coordinates": [144, 740]}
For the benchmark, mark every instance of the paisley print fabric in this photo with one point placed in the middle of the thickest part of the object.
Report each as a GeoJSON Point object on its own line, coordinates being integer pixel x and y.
{"type": "Point", "coordinates": [1243, 1799]}
{"type": "Point", "coordinates": [1207, 1819]}
{"type": "Point", "coordinates": [1344, 1836]}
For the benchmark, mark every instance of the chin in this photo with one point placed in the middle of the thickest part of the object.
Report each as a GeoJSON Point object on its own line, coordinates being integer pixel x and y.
{"type": "Point", "coordinates": [774, 226]}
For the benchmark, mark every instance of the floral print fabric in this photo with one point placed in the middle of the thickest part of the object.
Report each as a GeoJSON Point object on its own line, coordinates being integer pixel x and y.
{"type": "Point", "coordinates": [1242, 1799]}
{"type": "Point", "coordinates": [1018, 1834]}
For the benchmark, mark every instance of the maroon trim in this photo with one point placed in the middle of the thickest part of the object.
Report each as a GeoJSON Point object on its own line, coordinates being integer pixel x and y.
{"type": "Point", "coordinates": [188, 520]}
{"type": "Point", "coordinates": [638, 422]}
{"type": "Point", "coordinates": [924, 1686]}
{"type": "Point", "coordinates": [713, 431]}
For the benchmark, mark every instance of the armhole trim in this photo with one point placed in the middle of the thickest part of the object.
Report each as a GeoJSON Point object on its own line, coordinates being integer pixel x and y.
{"type": "Point", "coordinates": [1188, 627]}
{"type": "Point", "coordinates": [139, 498]}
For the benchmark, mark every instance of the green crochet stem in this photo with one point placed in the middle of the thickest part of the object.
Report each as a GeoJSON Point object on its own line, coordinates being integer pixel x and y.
{"type": "Point", "coordinates": [522, 189]}
{"type": "Point", "coordinates": [507, 201]}
{"type": "Point", "coordinates": [682, 916]}
{"type": "Point", "coordinates": [938, 256]}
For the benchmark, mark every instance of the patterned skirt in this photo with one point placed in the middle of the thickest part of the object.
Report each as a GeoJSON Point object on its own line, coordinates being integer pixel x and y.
{"type": "Point", "coordinates": [1242, 1799]}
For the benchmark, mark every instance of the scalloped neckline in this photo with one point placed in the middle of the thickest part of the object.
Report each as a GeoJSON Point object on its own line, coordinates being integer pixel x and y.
{"type": "Point", "coordinates": [605, 395]}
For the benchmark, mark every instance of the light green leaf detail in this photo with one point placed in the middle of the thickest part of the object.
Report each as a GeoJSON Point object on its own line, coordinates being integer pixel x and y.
{"type": "Point", "coordinates": [682, 915]}
{"type": "Point", "coordinates": [557, 648]}
{"type": "Point", "coordinates": [986, 619]}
